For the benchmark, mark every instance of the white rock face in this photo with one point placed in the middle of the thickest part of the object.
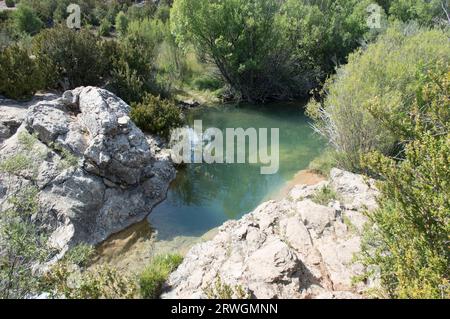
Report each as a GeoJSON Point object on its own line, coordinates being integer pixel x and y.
{"type": "Point", "coordinates": [96, 172]}
{"type": "Point", "coordinates": [292, 248]}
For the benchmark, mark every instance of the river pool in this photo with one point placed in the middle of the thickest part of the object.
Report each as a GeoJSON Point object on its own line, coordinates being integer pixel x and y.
{"type": "Point", "coordinates": [203, 196]}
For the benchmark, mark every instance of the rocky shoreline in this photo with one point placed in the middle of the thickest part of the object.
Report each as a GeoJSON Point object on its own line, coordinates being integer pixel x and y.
{"type": "Point", "coordinates": [290, 248]}
{"type": "Point", "coordinates": [95, 171]}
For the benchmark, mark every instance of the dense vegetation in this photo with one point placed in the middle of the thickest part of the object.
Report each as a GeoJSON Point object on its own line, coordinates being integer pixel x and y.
{"type": "Point", "coordinates": [382, 78]}
{"type": "Point", "coordinates": [270, 49]}
{"type": "Point", "coordinates": [386, 113]}
{"type": "Point", "coordinates": [381, 99]}
{"type": "Point", "coordinates": [152, 279]}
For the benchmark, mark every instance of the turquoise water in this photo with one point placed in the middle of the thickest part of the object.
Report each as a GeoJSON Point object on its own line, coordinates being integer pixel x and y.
{"type": "Point", "coordinates": [203, 196]}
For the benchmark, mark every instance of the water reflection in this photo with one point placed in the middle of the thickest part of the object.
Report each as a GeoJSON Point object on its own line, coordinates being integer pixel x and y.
{"type": "Point", "coordinates": [204, 196]}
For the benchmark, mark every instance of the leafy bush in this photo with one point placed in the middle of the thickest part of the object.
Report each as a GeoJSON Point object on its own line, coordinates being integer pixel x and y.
{"type": "Point", "coordinates": [69, 58]}
{"type": "Point", "coordinates": [207, 82]}
{"type": "Point", "coordinates": [144, 12]}
{"type": "Point", "coordinates": [409, 243]}
{"type": "Point", "coordinates": [323, 163]}
{"type": "Point", "coordinates": [19, 75]}
{"type": "Point", "coordinates": [153, 277]}
{"type": "Point", "coordinates": [155, 115]}
{"type": "Point", "coordinates": [80, 255]}
{"type": "Point", "coordinates": [26, 20]}
{"type": "Point", "coordinates": [15, 164]}
{"type": "Point", "coordinates": [387, 74]}
{"type": "Point", "coordinates": [126, 83]}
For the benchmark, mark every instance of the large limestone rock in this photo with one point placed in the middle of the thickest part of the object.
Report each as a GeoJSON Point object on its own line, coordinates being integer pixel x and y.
{"type": "Point", "coordinates": [292, 248]}
{"type": "Point", "coordinates": [96, 172]}
{"type": "Point", "coordinates": [12, 114]}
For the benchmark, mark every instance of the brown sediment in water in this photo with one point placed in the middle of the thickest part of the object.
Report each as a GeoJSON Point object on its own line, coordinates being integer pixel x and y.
{"type": "Point", "coordinates": [304, 177]}
{"type": "Point", "coordinates": [132, 249]}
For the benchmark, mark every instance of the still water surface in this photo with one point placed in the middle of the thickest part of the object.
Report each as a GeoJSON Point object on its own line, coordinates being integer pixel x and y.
{"type": "Point", "coordinates": [203, 196]}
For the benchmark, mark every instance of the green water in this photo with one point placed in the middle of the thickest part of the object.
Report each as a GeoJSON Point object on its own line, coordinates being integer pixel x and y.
{"type": "Point", "coordinates": [203, 196]}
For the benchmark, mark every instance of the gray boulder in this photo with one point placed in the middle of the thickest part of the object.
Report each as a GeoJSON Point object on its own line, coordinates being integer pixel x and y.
{"type": "Point", "coordinates": [96, 172]}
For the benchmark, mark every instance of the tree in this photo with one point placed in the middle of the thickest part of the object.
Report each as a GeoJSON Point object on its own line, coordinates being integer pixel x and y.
{"type": "Point", "coordinates": [26, 20]}
{"type": "Point", "coordinates": [64, 55]}
{"type": "Point", "coordinates": [425, 12]}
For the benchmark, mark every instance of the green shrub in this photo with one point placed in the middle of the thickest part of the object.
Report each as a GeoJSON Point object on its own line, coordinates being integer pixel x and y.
{"type": "Point", "coordinates": [153, 277]}
{"type": "Point", "coordinates": [220, 290]}
{"type": "Point", "coordinates": [121, 23]}
{"type": "Point", "coordinates": [21, 244]}
{"type": "Point", "coordinates": [70, 58]}
{"type": "Point", "coordinates": [80, 255]}
{"type": "Point", "coordinates": [105, 28]}
{"type": "Point", "coordinates": [409, 244]}
{"type": "Point", "coordinates": [101, 282]}
{"type": "Point", "coordinates": [134, 70]}
{"type": "Point", "coordinates": [16, 164]}
{"type": "Point", "coordinates": [324, 196]}
{"type": "Point", "coordinates": [155, 115]}
{"type": "Point", "coordinates": [387, 74]}
{"type": "Point", "coordinates": [19, 75]}
{"type": "Point", "coordinates": [271, 49]}
{"type": "Point", "coordinates": [207, 82]}
{"type": "Point", "coordinates": [26, 20]}
{"type": "Point", "coordinates": [126, 83]}
{"type": "Point", "coordinates": [10, 3]}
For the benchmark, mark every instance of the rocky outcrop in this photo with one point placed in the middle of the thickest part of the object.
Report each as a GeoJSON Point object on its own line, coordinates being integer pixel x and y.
{"type": "Point", "coordinates": [12, 114]}
{"type": "Point", "coordinates": [95, 171]}
{"type": "Point", "coordinates": [292, 248]}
